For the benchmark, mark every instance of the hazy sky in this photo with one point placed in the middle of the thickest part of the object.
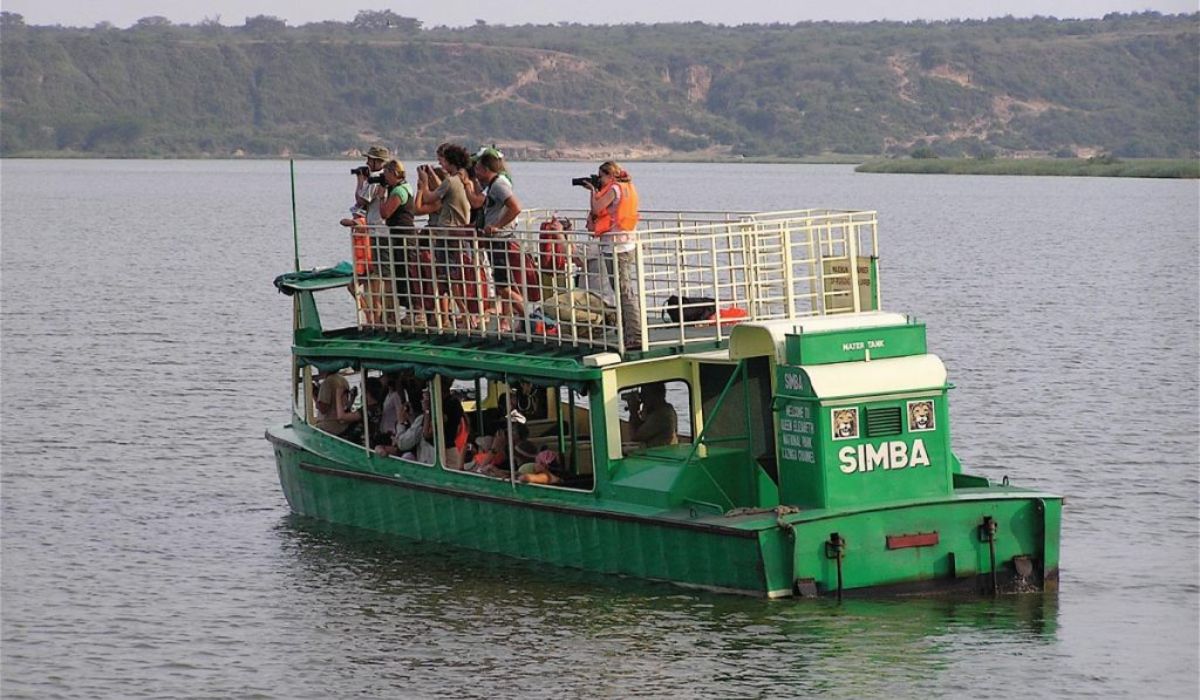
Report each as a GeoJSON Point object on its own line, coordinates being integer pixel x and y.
{"type": "Point", "coordinates": [122, 13]}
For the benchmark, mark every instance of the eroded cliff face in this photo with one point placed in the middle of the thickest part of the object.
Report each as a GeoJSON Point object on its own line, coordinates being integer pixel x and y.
{"type": "Point", "coordinates": [1017, 87]}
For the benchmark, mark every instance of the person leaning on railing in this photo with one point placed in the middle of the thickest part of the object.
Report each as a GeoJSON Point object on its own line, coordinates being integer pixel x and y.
{"type": "Point", "coordinates": [396, 207]}
{"type": "Point", "coordinates": [448, 198]}
{"type": "Point", "coordinates": [500, 211]}
{"type": "Point", "coordinates": [365, 214]}
{"type": "Point", "coordinates": [613, 218]}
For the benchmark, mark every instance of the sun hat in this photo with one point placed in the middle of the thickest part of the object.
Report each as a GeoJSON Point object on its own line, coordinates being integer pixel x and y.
{"type": "Point", "coordinates": [378, 153]}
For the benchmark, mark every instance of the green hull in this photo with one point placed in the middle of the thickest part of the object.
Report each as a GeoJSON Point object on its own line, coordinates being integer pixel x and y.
{"type": "Point", "coordinates": [760, 553]}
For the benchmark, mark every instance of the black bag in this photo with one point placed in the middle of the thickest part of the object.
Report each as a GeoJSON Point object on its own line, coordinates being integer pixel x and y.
{"type": "Point", "coordinates": [694, 308]}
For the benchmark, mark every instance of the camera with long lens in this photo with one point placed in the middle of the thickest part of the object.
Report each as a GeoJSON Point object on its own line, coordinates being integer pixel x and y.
{"type": "Point", "coordinates": [376, 179]}
{"type": "Point", "coordinates": [360, 170]}
{"type": "Point", "coordinates": [583, 181]}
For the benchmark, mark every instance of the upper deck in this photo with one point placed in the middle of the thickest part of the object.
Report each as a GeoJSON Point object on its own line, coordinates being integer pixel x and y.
{"type": "Point", "coordinates": [694, 275]}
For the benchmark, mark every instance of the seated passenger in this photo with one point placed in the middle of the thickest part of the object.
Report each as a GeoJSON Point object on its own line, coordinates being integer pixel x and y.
{"type": "Point", "coordinates": [653, 420]}
{"type": "Point", "coordinates": [373, 406]}
{"type": "Point", "coordinates": [413, 440]}
{"type": "Point", "coordinates": [333, 404]}
{"type": "Point", "coordinates": [392, 402]}
{"type": "Point", "coordinates": [455, 430]}
{"type": "Point", "coordinates": [493, 459]}
{"type": "Point", "coordinates": [541, 470]}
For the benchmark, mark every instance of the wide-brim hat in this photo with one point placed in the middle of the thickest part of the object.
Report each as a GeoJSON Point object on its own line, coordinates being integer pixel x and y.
{"type": "Point", "coordinates": [379, 153]}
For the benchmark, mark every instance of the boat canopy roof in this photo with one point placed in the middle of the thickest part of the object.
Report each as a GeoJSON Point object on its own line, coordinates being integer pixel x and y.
{"type": "Point", "coordinates": [770, 337]}
{"type": "Point", "coordinates": [457, 357]}
{"type": "Point", "coordinates": [316, 280]}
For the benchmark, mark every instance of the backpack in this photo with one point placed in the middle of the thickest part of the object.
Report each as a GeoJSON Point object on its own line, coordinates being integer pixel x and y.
{"type": "Point", "coordinates": [693, 309]}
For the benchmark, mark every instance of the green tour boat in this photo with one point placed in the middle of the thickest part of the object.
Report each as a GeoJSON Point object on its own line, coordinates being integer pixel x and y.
{"type": "Point", "coordinates": [737, 413]}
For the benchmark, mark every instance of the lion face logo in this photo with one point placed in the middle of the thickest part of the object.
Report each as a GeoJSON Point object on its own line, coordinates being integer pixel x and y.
{"type": "Point", "coordinates": [920, 416]}
{"type": "Point", "coordinates": [845, 424]}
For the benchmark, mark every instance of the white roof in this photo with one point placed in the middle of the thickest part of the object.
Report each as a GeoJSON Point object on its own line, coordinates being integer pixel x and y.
{"type": "Point", "coordinates": [891, 375]}
{"type": "Point", "coordinates": [765, 337]}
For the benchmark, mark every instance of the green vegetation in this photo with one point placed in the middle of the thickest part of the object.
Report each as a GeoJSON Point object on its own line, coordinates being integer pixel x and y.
{"type": "Point", "coordinates": [1124, 85]}
{"type": "Point", "coordinates": [1090, 167]}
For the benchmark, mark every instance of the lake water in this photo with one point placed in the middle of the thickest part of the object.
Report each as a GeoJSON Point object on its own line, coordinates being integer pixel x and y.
{"type": "Point", "coordinates": [148, 551]}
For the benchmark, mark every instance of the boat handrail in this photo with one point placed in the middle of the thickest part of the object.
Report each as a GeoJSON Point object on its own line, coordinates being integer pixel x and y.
{"type": "Point", "coordinates": [739, 268]}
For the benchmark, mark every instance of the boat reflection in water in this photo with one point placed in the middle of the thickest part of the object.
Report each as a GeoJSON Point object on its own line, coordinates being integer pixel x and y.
{"type": "Point", "coordinates": [509, 623]}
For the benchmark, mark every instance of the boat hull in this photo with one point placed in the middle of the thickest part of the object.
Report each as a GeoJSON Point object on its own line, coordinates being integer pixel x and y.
{"type": "Point", "coordinates": [767, 554]}
{"type": "Point", "coordinates": [697, 554]}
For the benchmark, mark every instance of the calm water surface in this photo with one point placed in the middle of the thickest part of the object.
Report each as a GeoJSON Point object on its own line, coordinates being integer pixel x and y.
{"type": "Point", "coordinates": [148, 552]}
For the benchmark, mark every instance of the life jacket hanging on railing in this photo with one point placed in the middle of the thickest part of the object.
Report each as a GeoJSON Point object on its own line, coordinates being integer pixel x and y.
{"type": "Point", "coordinates": [552, 246]}
{"type": "Point", "coordinates": [360, 243]}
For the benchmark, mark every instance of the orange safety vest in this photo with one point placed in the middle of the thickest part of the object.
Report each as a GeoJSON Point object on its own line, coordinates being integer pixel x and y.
{"type": "Point", "coordinates": [627, 210]}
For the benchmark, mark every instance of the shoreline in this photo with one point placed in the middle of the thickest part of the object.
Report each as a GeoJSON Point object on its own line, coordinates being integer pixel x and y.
{"type": "Point", "coordinates": [1172, 168]}
{"type": "Point", "coordinates": [1161, 168]}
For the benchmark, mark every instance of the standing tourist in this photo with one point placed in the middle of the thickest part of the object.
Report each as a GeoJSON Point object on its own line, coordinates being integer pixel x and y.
{"type": "Point", "coordinates": [364, 221]}
{"type": "Point", "coordinates": [613, 218]}
{"type": "Point", "coordinates": [448, 199]}
{"type": "Point", "coordinates": [396, 207]}
{"type": "Point", "coordinates": [500, 211]}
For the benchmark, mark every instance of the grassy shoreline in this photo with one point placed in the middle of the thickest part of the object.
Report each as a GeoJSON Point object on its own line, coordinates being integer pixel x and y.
{"type": "Point", "coordinates": [1066, 167]}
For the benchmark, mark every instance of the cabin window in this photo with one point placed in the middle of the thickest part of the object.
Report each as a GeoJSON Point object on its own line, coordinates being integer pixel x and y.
{"type": "Point", "coordinates": [560, 435]}
{"type": "Point", "coordinates": [521, 432]}
{"type": "Point", "coordinates": [337, 404]}
{"type": "Point", "coordinates": [655, 414]}
{"type": "Point", "coordinates": [735, 401]}
{"type": "Point", "coordinates": [339, 307]}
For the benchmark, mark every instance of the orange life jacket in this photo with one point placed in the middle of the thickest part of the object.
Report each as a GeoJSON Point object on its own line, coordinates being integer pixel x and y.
{"type": "Point", "coordinates": [627, 210]}
{"type": "Point", "coordinates": [462, 436]}
{"type": "Point", "coordinates": [360, 242]}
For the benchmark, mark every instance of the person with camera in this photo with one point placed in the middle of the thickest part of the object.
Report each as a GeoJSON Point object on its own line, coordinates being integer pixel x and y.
{"type": "Point", "coordinates": [413, 438]}
{"type": "Point", "coordinates": [500, 211]}
{"type": "Point", "coordinates": [447, 198]}
{"type": "Point", "coordinates": [364, 221]}
{"type": "Point", "coordinates": [613, 218]}
{"type": "Point", "coordinates": [396, 207]}
{"type": "Point", "coordinates": [652, 418]}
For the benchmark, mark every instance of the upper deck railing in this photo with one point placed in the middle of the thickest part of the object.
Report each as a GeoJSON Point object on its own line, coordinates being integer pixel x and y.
{"type": "Point", "coordinates": [693, 276]}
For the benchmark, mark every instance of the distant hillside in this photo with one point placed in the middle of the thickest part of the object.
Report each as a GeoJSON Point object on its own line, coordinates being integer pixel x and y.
{"type": "Point", "coordinates": [1125, 85]}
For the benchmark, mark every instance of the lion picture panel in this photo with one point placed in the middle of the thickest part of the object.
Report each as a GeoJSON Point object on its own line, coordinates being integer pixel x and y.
{"type": "Point", "coordinates": [921, 416]}
{"type": "Point", "coordinates": [844, 422]}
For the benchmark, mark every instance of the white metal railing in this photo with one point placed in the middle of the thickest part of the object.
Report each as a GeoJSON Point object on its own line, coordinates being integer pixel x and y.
{"type": "Point", "coordinates": [715, 268]}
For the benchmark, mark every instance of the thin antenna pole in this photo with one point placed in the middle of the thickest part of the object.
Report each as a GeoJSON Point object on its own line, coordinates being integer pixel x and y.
{"type": "Point", "coordinates": [295, 226]}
